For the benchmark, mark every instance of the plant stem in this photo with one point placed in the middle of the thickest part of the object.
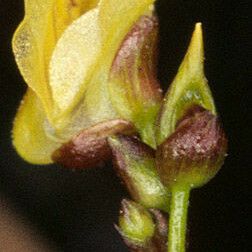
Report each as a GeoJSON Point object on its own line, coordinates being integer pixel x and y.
{"type": "Point", "coordinates": [178, 219]}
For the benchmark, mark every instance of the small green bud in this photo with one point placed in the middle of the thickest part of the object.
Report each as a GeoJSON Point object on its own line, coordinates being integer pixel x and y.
{"type": "Point", "coordinates": [135, 223]}
{"type": "Point", "coordinates": [135, 164]}
{"type": "Point", "coordinates": [157, 242]}
{"type": "Point", "coordinates": [194, 152]}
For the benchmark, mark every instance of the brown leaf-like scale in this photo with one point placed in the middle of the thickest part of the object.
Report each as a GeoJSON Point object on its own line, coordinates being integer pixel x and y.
{"type": "Point", "coordinates": [195, 151]}
{"type": "Point", "coordinates": [90, 147]}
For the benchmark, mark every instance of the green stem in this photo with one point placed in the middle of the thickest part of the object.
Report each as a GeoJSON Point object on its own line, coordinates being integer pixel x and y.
{"type": "Point", "coordinates": [178, 219]}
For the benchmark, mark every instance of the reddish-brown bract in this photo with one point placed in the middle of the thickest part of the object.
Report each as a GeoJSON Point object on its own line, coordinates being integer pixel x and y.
{"type": "Point", "coordinates": [138, 152]}
{"type": "Point", "coordinates": [137, 60]}
{"type": "Point", "coordinates": [90, 147]}
{"type": "Point", "coordinates": [197, 147]}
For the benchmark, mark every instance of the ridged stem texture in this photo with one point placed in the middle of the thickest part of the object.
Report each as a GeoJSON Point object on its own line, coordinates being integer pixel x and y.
{"type": "Point", "coordinates": [178, 219]}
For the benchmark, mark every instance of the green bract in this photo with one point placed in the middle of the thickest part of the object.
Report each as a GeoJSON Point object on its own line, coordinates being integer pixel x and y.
{"type": "Point", "coordinates": [192, 145]}
{"type": "Point", "coordinates": [188, 88]}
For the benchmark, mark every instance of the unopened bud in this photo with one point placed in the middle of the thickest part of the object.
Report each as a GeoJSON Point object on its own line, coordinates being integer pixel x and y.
{"type": "Point", "coordinates": [194, 152]}
{"type": "Point", "coordinates": [155, 240]}
{"type": "Point", "coordinates": [134, 162]}
{"type": "Point", "coordinates": [135, 223]}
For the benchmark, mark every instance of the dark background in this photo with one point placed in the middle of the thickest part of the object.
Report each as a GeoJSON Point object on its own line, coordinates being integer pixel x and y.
{"type": "Point", "coordinates": [76, 210]}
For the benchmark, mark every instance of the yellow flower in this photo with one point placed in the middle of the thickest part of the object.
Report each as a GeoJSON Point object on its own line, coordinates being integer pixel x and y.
{"type": "Point", "coordinates": [65, 50]}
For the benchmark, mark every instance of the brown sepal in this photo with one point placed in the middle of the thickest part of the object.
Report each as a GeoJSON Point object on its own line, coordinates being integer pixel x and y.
{"type": "Point", "coordinates": [90, 147]}
{"type": "Point", "coordinates": [159, 240]}
{"type": "Point", "coordinates": [137, 59]}
{"type": "Point", "coordinates": [198, 142]}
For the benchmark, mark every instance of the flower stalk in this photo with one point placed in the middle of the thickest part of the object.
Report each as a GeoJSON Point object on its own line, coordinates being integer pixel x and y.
{"type": "Point", "coordinates": [178, 219]}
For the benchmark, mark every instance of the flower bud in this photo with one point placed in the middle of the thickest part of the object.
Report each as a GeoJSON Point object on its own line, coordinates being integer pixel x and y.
{"type": "Point", "coordinates": [135, 224]}
{"type": "Point", "coordinates": [194, 152]}
{"type": "Point", "coordinates": [134, 217]}
{"type": "Point", "coordinates": [135, 164]}
{"type": "Point", "coordinates": [65, 51]}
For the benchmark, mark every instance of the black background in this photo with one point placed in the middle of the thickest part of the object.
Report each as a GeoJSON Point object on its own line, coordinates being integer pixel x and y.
{"type": "Point", "coordinates": [76, 210]}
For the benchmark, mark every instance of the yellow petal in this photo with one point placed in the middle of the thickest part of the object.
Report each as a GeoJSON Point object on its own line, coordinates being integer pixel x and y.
{"type": "Point", "coordinates": [28, 134]}
{"type": "Point", "coordinates": [72, 82]}
{"type": "Point", "coordinates": [188, 88]}
{"type": "Point", "coordinates": [73, 58]}
{"type": "Point", "coordinates": [117, 17]}
{"type": "Point", "coordinates": [84, 54]}
{"type": "Point", "coordinates": [36, 37]}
